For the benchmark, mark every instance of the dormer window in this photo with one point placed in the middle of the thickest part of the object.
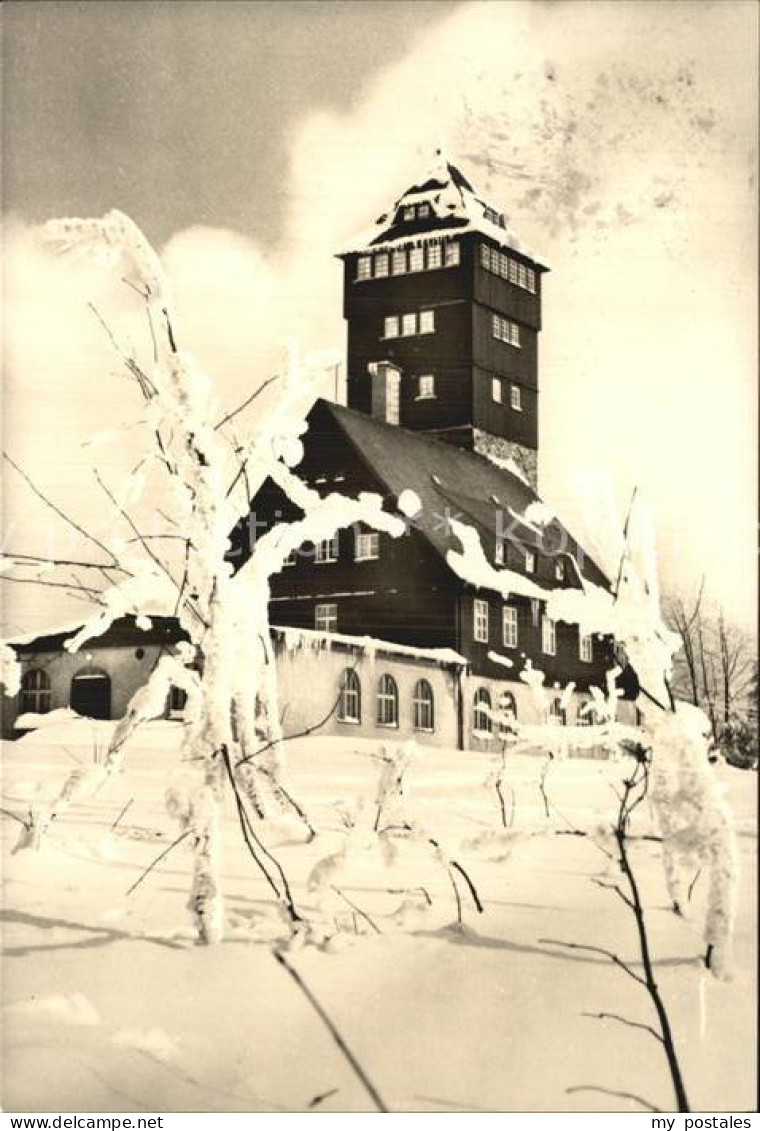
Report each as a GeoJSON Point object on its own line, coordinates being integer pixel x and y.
{"type": "Point", "coordinates": [530, 561]}
{"type": "Point", "coordinates": [423, 212]}
{"type": "Point", "coordinates": [408, 213]}
{"type": "Point", "coordinates": [559, 571]}
{"type": "Point", "coordinates": [498, 556]}
{"type": "Point", "coordinates": [327, 549]}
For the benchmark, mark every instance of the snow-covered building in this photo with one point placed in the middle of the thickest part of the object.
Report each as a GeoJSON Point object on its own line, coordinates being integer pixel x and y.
{"type": "Point", "coordinates": [443, 305]}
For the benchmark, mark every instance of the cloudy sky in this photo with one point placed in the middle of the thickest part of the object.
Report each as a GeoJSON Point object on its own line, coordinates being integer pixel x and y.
{"type": "Point", "coordinates": [251, 140]}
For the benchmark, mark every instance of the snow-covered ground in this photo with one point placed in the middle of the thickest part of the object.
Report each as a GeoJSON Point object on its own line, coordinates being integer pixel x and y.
{"type": "Point", "coordinates": [108, 1005]}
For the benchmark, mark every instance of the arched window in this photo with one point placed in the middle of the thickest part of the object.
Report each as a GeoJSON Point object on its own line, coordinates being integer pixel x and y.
{"type": "Point", "coordinates": [508, 710]}
{"type": "Point", "coordinates": [350, 701]}
{"type": "Point", "coordinates": [91, 694]}
{"type": "Point", "coordinates": [424, 717]}
{"type": "Point", "coordinates": [177, 701]}
{"type": "Point", "coordinates": [387, 702]}
{"type": "Point", "coordinates": [481, 719]}
{"type": "Point", "coordinates": [557, 714]}
{"type": "Point", "coordinates": [587, 713]}
{"type": "Point", "coordinates": [35, 692]}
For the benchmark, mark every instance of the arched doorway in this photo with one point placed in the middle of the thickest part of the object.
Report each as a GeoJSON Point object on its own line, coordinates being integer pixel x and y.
{"type": "Point", "coordinates": [91, 694]}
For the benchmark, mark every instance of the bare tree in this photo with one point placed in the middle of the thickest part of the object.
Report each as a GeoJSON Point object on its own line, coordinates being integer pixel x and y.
{"type": "Point", "coordinates": [736, 665]}
{"type": "Point", "coordinates": [717, 663]}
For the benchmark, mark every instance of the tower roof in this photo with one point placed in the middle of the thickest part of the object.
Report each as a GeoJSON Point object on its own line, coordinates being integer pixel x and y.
{"type": "Point", "coordinates": [453, 207]}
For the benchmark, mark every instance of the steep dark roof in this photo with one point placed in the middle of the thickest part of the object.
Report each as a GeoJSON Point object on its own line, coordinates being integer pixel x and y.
{"type": "Point", "coordinates": [451, 482]}
{"type": "Point", "coordinates": [123, 632]}
{"type": "Point", "coordinates": [455, 207]}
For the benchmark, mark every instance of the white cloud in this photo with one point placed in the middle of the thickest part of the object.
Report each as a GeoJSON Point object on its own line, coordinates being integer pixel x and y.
{"type": "Point", "coordinates": [617, 138]}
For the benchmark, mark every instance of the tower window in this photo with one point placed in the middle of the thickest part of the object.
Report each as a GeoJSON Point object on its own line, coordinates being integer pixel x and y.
{"type": "Point", "coordinates": [509, 626]}
{"type": "Point", "coordinates": [427, 321]}
{"type": "Point", "coordinates": [548, 636]}
{"type": "Point", "coordinates": [452, 254]}
{"type": "Point", "coordinates": [496, 390]}
{"type": "Point", "coordinates": [480, 621]}
{"type": "Point", "coordinates": [390, 327]}
{"type": "Point", "coordinates": [433, 256]}
{"type": "Point", "coordinates": [326, 617]}
{"type": "Point", "coordinates": [364, 267]}
{"type": "Point", "coordinates": [427, 387]}
{"type": "Point", "coordinates": [408, 325]}
{"type": "Point", "coordinates": [326, 550]}
{"type": "Point", "coordinates": [515, 397]}
{"type": "Point", "coordinates": [367, 546]}
{"type": "Point", "coordinates": [417, 259]}
{"type": "Point", "coordinates": [586, 648]}
{"type": "Point", "coordinates": [504, 330]}
{"type": "Point", "coordinates": [381, 266]}
{"type": "Point", "coordinates": [499, 263]}
{"type": "Point", "coordinates": [399, 262]}
{"type": "Point", "coordinates": [530, 561]}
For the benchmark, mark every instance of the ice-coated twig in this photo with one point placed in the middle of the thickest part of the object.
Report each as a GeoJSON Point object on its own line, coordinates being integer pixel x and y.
{"type": "Point", "coordinates": [333, 1030]}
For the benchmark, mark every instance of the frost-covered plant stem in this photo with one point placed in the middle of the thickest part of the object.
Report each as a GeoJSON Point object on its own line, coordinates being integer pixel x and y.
{"type": "Point", "coordinates": [233, 732]}
{"type": "Point", "coordinates": [638, 781]}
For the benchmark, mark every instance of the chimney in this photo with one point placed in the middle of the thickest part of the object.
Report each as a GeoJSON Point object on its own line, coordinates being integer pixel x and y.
{"type": "Point", "coordinates": [386, 378]}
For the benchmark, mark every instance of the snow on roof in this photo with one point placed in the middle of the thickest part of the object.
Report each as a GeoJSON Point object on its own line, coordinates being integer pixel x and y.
{"type": "Point", "coordinates": [125, 631]}
{"type": "Point", "coordinates": [295, 638]}
{"type": "Point", "coordinates": [412, 460]}
{"type": "Point", "coordinates": [455, 207]}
